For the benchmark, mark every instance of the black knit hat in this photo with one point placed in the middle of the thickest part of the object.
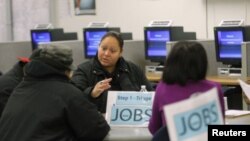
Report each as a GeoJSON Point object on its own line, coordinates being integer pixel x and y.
{"type": "Point", "coordinates": [57, 56]}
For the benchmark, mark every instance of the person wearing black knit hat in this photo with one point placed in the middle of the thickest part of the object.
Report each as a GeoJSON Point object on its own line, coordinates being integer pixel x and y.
{"type": "Point", "coordinates": [12, 78]}
{"type": "Point", "coordinates": [46, 106]}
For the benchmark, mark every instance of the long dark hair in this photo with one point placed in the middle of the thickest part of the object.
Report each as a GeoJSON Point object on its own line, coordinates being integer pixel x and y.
{"type": "Point", "coordinates": [186, 61]}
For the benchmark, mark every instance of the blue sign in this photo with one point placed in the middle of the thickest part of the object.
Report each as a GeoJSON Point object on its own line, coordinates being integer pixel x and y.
{"type": "Point", "coordinates": [130, 115]}
{"type": "Point", "coordinates": [130, 108]}
{"type": "Point", "coordinates": [195, 121]}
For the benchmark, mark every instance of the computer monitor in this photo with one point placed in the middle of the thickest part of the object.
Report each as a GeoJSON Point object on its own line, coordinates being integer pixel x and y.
{"type": "Point", "coordinates": [228, 42]}
{"type": "Point", "coordinates": [40, 36]}
{"type": "Point", "coordinates": [155, 39]}
{"type": "Point", "coordinates": [92, 38]}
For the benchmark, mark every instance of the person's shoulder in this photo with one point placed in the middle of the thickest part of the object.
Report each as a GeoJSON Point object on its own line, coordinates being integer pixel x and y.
{"type": "Point", "coordinates": [130, 62]}
{"type": "Point", "coordinates": [6, 81]}
{"type": "Point", "coordinates": [86, 64]}
{"type": "Point", "coordinates": [9, 80]}
{"type": "Point", "coordinates": [161, 83]}
{"type": "Point", "coordinates": [70, 90]}
{"type": "Point", "coordinates": [163, 89]}
{"type": "Point", "coordinates": [132, 65]}
{"type": "Point", "coordinates": [161, 86]}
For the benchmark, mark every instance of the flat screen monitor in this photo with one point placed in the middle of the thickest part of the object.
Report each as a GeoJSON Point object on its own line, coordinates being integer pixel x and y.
{"type": "Point", "coordinates": [39, 36]}
{"type": "Point", "coordinates": [156, 39]}
{"type": "Point", "coordinates": [92, 38]}
{"type": "Point", "coordinates": [228, 42]}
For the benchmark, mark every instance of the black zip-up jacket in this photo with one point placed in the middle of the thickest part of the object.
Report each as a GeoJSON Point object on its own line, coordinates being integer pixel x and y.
{"type": "Point", "coordinates": [8, 82]}
{"type": "Point", "coordinates": [126, 77]}
{"type": "Point", "coordinates": [45, 106]}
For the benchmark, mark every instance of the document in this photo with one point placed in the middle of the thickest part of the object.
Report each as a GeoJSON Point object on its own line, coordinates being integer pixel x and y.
{"type": "Point", "coordinates": [129, 108]}
{"type": "Point", "coordinates": [190, 122]}
{"type": "Point", "coordinates": [245, 87]}
{"type": "Point", "coordinates": [236, 113]}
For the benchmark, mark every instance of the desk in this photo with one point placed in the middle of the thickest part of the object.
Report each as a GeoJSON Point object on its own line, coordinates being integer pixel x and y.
{"type": "Point", "coordinates": [128, 134]}
{"type": "Point", "coordinates": [224, 80]}
{"type": "Point", "coordinates": [219, 79]}
{"type": "Point", "coordinates": [155, 77]}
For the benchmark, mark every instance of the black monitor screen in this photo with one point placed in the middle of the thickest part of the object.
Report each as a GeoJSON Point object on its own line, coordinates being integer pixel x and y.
{"type": "Point", "coordinates": [228, 45]}
{"type": "Point", "coordinates": [155, 43]}
{"type": "Point", "coordinates": [40, 37]}
{"type": "Point", "coordinates": [92, 38]}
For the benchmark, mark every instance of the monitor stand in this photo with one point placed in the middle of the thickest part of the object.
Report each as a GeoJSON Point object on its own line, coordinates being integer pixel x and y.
{"type": "Point", "coordinates": [233, 71]}
{"type": "Point", "coordinates": [154, 70]}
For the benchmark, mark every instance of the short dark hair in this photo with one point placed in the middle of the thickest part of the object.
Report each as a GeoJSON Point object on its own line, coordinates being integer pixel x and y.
{"type": "Point", "coordinates": [186, 61]}
{"type": "Point", "coordinates": [115, 35]}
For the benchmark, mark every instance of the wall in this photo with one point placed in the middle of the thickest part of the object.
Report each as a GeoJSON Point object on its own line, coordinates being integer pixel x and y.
{"type": "Point", "coordinates": [226, 9]}
{"type": "Point", "coordinates": [27, 14]}
{"type": "Point", "coordinates": [199, 16]}
{"type": "Point", "coordinates": [133, 15]}
{"type": "Point", "coordinates": [9, 51]}
{"type": "Point", "coordinates": [19, 16]}
{"type": "Point", "coordinates": [5, 21]}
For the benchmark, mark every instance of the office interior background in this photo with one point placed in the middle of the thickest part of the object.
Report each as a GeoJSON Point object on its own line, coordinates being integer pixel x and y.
{"type": "Point", "coordinates": [18, 17]}
{"type": "Point", "coordinates": [200, 16]}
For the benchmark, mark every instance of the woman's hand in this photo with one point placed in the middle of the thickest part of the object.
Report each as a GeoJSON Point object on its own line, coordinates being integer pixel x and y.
{"type": "Point", "coordinates": [100, 87]}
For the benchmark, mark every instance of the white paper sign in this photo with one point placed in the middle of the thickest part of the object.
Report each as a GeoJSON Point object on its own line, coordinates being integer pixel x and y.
{"type": "Point", "coordinates": [245, 87]}
{"type": "Point", "coordinates": [187, 120]}
{"type": "Point", "coordinates": [129, 108]}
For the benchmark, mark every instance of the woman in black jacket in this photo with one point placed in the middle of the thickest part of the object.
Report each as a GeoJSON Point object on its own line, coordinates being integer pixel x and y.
{"type": "Point", "coordinates": [8, 82]}
{"type": "Point", "coordinates": [12, 78]}
{"type": "Point", "coordinates": [108, 71]}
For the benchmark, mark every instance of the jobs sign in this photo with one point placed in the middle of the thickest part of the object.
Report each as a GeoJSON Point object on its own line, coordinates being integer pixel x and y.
{"type": "Point", "coordinates": [190, 122]}
{"type": "Point", "coordinates": [129, 108]}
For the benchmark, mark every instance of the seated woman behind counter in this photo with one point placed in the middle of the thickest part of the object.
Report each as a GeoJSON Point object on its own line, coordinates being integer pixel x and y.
{"type": "Point", "coordinates": [108, 71]}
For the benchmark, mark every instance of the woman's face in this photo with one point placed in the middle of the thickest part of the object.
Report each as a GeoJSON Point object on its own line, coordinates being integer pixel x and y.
{"type": "Point", "coordinates": [109, 52]}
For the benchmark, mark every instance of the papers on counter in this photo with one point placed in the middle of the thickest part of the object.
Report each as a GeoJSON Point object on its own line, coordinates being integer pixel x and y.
{"type": "Point", "coordinates": [245, 87]}
{"type": "Point", "coordinates": [236, 113]}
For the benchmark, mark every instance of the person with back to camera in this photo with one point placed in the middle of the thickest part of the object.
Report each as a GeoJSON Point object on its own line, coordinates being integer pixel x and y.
{"type": "Point", "coordinates": [11, 79]}
{"type": "Point", "coordinates": [108, 71]}
{"type": "Point", "coordinates": [184, 74]}
{"type": "Point", "coordinates": [45, 106]}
